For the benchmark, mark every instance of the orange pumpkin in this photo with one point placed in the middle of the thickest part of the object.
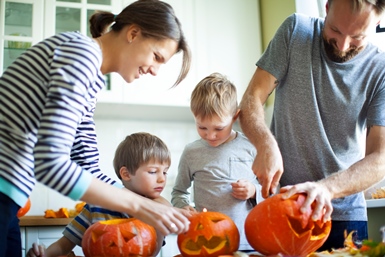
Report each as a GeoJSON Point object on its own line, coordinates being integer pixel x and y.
{"type": "Point", "coordinates": [210, 234]}
{"type": "Point", "coordinates": [23, 210]}
{"type": "Point", "coordinates": [119, 237]}
{"type": "Point", "coordinates": [276, 226]}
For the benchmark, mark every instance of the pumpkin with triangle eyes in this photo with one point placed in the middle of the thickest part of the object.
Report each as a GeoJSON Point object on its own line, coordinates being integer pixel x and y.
{"type": "Point", "coordinates": [276, 226]}
{"type": "Point", "coordinates": [210, 234]}
{"type": "Point", "coordinates": [119, 237]}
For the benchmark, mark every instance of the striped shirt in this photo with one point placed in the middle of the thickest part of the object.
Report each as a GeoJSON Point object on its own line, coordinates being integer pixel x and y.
{"type": "Point", "coordinates": [47, 132]}
{"type": "Point", "coordinates": [90, 214]}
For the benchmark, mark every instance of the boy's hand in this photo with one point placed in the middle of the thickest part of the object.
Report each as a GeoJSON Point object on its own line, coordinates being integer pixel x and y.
{"type": "Point", "coordinates": [243, 189]}
{"type": "Point", "coordinates": [36, 251]}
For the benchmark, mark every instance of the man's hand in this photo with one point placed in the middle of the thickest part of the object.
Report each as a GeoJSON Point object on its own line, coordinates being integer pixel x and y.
{"type": "Point", "coordinates": [316, 193]}
{"type": "Point", "coordinates": [268, 168]}
{"type": "Point", "coordinates": [243, 189]}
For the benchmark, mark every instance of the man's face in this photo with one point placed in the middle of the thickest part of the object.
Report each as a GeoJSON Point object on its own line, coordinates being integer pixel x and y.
{"type": "Point", "coordinates": [345, 33]}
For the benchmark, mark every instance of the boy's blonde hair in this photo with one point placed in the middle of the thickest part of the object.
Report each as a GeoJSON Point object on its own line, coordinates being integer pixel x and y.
{"type": "Point", "coordinates": [138, 149]}
{"type": "Point", "coordinates": [214, 95]}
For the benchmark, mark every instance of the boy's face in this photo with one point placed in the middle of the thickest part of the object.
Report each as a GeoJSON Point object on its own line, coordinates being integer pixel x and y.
{"type": "Point", "coordinates": [215, 130]}
{"type": "Point", "coordinates": [149, 179]}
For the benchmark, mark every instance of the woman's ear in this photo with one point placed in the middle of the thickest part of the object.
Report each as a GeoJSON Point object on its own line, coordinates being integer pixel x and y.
{"type": "Point", "coordinates": [132, 33]}
{"type": "Point", "coordinates": [125, 174]}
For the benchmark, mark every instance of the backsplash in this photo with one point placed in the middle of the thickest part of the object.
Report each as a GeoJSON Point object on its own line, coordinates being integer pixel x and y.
{"type": "Point", "coordinates": [110, 133]}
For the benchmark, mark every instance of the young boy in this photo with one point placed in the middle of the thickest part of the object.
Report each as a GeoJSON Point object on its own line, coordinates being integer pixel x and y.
{"type": "Point", "coordinates": [141, 162]}
{"type": "Point", "coordinates": [220, 162]}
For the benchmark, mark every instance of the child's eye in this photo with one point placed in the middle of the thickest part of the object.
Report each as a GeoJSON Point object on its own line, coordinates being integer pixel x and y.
{"type": "Point", "coordinates": [165, 173]}
{"type": "Point", "coordinates": [152, 172]}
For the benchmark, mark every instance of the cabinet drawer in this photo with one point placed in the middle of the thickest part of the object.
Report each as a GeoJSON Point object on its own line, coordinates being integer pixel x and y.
{"type": "Point", "coordinates": [45, 236]}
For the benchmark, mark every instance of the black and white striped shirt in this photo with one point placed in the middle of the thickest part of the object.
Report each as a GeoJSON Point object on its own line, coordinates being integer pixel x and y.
{"type": "Point", "coordinates": [47, 132]}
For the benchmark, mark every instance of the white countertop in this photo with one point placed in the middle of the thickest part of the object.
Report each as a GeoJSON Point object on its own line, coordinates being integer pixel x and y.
{"type": "Point", "coordinates": [374, 203]}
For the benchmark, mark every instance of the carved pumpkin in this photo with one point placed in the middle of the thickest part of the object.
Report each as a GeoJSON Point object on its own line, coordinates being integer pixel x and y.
{"type": "Point", "coordinates": [23, 210]}
{"type": "Point", "coordinates": [119, 237]}
{"type": "Point", "coordinates": [277, 226]}
{"type": "Point", "coordinates": [210, 234]}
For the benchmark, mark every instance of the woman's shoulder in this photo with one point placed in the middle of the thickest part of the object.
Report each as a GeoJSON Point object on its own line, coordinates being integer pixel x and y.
{"type": "Point", "coordinates": [75, 40]}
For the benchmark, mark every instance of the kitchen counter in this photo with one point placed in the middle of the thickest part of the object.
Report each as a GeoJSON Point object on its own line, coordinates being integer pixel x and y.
{"type": "Point", "coordinates": [375, 203]}
{"type": "Point", "coordinates": [38, 221]}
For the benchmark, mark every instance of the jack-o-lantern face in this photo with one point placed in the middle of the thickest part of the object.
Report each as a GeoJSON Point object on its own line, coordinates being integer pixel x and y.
{"type": "Point", "coordinates": [119, 237]}
{"type": "Point", "coordinates": [276, 226]}
{"type": "Point", "coordinates": [210, 234]}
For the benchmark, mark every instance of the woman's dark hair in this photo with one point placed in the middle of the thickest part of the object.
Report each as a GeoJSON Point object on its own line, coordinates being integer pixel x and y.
{"type": "Point", "coordinates": [155, 18]}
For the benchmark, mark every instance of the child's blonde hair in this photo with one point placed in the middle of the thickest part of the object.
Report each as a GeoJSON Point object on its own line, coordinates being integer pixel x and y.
{"type": "Point", "coordinates": [214, 95]}
{"type": "Point", "coordinates": [138, 149]}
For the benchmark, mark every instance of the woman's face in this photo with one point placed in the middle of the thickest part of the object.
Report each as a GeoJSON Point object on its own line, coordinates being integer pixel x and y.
{"type": "Point", "coordinates": [144, 56]}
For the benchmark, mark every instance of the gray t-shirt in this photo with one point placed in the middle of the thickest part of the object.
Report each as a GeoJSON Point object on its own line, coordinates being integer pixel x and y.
{"type": "Point", "coordinates": [322, 108]}
{"type": "Point", "coordinates": [213, 169]}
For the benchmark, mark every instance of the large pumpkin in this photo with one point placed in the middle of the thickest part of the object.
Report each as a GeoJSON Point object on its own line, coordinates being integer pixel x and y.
{"type": "Point", "coordinates": [277, 226]}
{"type": "Point", "coordinates": [210, 234]}
{"type": "Point", "coordinates": [119, 237]}
{"type": "Point", "coordinates": [23, 210]}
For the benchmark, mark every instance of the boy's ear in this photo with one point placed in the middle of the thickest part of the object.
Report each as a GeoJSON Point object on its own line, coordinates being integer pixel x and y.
{"type": "Point", "coordinates": [236, 115]}
{"type": "Point", "coordinates": [125, 174]}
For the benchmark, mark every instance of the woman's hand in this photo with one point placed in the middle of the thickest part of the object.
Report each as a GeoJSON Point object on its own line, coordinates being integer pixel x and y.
{"type": "Point", "coordinates": [163, 218]}
{"type": "Point", "coordinates": [189, 208]}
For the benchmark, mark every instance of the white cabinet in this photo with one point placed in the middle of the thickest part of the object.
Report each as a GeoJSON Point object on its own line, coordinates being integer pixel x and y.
{"type": "Point", "coordinates": [21, 25]}
{"type": "Point", "coordinates": [224, 36]}
{"type": "Point", "coordinates": [170, 248]}
{"type": "Point", "coordinates": [26, 22]}
{"type": "Point", "coordinates": [73, 15]}
{"type": "Point", "coordinates": [43, 235]}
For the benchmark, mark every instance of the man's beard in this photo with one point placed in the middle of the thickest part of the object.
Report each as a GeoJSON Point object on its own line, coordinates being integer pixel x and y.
{"type": "Point", "coordinates": [338, 56]}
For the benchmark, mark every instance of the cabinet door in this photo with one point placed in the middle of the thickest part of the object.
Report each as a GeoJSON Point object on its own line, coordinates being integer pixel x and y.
{"type": "Point", "coordinates": [22, 232]}
{"type": "Point", "coordinates": [46, 236]}
{"type": "Point", "coordinates": [21, 25]}
{"type": "Point", "coordinates": [73, 15]}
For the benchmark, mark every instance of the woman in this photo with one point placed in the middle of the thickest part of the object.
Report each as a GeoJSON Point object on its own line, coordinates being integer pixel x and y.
{"type": "Point", "coordinates": [47, 100]}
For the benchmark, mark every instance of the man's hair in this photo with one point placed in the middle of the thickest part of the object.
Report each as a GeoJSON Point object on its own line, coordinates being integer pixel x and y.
{"type": "Point", "coordinates": [138, 149]}
{"type": "Point", "coordinates": [357, 5]}
{"type": "Point", "coordinates": [214, 95]}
